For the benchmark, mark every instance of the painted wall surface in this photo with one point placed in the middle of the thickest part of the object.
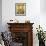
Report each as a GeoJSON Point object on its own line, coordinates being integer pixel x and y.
{"type": "Point", "coordinates": [43, 6]}
{"type": "Point", "coordinates": [0, 15]}
{"type": "Point", "coordinates": [33, 13]}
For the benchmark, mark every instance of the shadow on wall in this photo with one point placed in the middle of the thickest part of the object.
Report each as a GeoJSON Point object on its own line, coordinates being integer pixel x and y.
{"type": "Point", "coordinates": [43, 6]}
{"type": "Point", "coordinates": [0, 15]}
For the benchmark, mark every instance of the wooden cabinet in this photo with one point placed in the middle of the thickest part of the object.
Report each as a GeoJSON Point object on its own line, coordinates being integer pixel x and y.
{"type": "Point", "coordinates": [22, 33]}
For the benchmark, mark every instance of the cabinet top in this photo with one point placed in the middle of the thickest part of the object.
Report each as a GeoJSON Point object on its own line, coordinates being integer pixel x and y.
{"type": "Point", "coordinates": [19, 23]}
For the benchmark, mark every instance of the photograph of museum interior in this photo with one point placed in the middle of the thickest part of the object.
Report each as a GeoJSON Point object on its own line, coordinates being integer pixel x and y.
{"type": "Point", "coordinates": [22, 23]}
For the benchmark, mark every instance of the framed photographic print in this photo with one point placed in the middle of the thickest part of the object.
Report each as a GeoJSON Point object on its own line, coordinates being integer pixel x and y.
{"type": "Point", "coordinates": [20, 9]}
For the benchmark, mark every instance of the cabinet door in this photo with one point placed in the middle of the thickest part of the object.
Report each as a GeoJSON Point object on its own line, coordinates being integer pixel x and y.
{"type": "Point", "coordinates": [20, 37]}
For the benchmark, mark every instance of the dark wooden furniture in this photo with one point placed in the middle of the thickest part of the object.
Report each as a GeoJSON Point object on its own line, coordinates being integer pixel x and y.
{"type": "Point", "coordinates": [22, 33]}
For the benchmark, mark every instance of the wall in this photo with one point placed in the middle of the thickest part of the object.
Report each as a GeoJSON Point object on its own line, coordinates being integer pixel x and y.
{"type": "Point", "coordinates": [43, 14]}
{"type": "Point", "coordinates": [0, 15]}
{"type": "Point", "coordinates": [43, 6]}
{"type": "Point", "coordinates": [33, 13]}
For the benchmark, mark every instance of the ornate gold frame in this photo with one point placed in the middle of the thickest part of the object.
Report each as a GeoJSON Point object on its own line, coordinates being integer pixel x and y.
{"type": "Point", "coordinates": [20, 9]}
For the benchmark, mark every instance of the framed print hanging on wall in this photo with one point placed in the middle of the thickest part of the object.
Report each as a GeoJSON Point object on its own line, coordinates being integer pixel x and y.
{"type": "Point", "coordinates": [20, 9]}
